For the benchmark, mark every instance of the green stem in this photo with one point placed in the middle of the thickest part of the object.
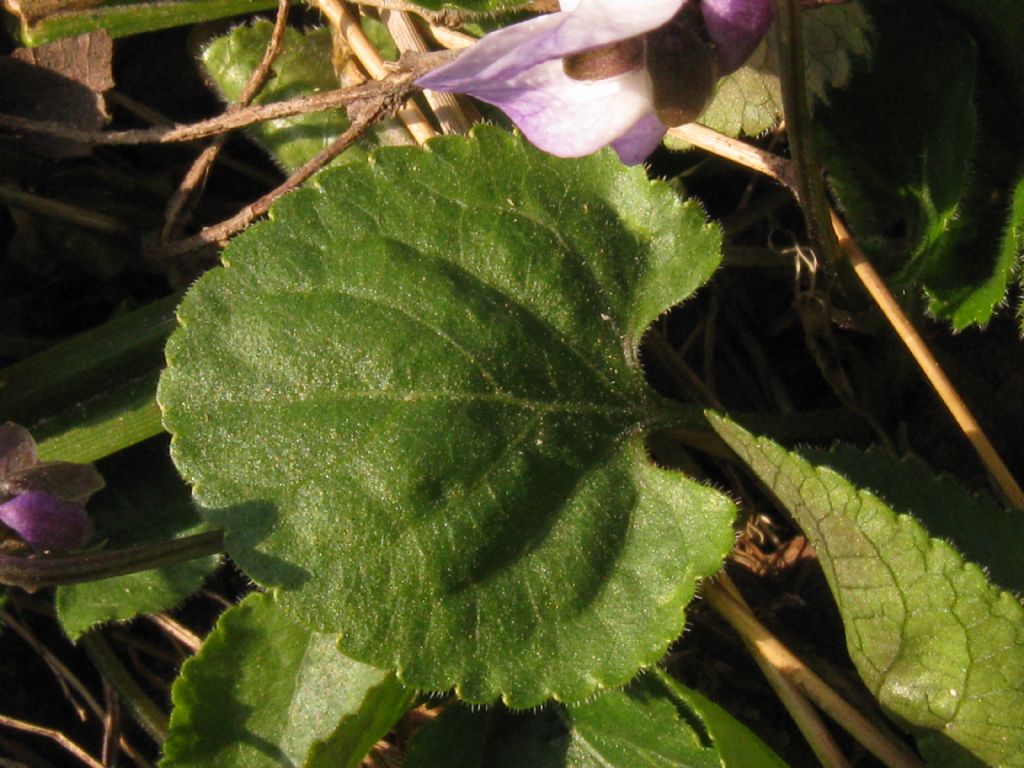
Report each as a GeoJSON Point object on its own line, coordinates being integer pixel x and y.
{"type": "Point", "coordinates": [32, 573]}
{"type": "Point", "coordinates": [56, 209]}
{"type": "Point", "coordinates": [88, 365]}
{"type": "Point", "coordinates": [122, 417]}
{"type": "Point", "coordinates": [143, 708]}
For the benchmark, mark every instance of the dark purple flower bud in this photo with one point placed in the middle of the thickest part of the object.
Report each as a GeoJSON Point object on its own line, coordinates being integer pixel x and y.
{"type": "Point", "coordinates": [46, 522]}
{"type": "Point", "coordinates": [735, 27]}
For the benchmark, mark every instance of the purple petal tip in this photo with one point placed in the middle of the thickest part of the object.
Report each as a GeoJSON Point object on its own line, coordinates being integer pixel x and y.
{"type": "Point", "coordinates": [736, 27]}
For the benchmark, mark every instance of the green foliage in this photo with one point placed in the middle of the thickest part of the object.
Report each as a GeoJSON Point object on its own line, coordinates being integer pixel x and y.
{"type": "Point", "coordinates": [1013, 241]}
{"type": "Point", "coordinates": [897, 175]}
{"type": "Point", "coordinates": [749, 100]}
{"type": "Point", "coordinates": [981, 530]}
{"type": "Point", "coordinates": [42, 22]}
{"type": "Point", "coordinates": [144, 500]}
{"type": "Point", "coordinates": [921, 149]}
{"type": "Point", "coordinates": [659, 723]}
{"type": "Point", "coordinates": [417, 408]}
{"type": "Point", "coordinates": [414, 399]}
{"type": "Point", "coordinates": [736, 745]}
{"type": "Point", "coordinates": [653, 723]}
{"type": "Point", "coordinates": [83, 367]}
{"type": "Point", "coordinates": [998, 26]}
{"type": "Point", "coordinates": [302, 67]}
{"type": "Point", "coordinates": [938, 645]}
{"type": "Point", "coordinates": [265, 691]}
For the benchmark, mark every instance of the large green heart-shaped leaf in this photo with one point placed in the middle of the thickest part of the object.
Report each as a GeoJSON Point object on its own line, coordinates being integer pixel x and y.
{"type": "Point", "coordinates": [413, 400]}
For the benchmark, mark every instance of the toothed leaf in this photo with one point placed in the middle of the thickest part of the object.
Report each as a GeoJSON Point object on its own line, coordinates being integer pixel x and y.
{"type": "Point", "coordinates": [939, 646]}
{"type": "Point", "coordinates": [265, 691]}
{"type": "Point", "coordinates": [412, 399]}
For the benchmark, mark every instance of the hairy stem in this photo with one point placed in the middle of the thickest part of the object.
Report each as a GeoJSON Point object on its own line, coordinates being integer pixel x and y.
{"type": "Point", "coordinates": [33, 573]}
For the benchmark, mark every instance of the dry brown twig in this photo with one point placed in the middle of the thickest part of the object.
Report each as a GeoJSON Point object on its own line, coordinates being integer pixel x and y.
{"type": "Point", "coordinates": [348, 28]}
{"type": "Point", "coordinates": [55, 736]}
{"type": "Point", "coordinates": [66, 679]}
{"type": "Point", "coordinates": [789, 675]}
{"type": "Point", "coordinates": [185, 196]}
{"type": "Point", "coordinates": [398, 84]}
{"type": "Point", "coordinates": [445, 106]}
{"type": "Point", "coordinates": [362, 119]}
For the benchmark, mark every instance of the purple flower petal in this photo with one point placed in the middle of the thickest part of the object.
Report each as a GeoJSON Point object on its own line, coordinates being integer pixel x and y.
{"type": "Point", "coordinates": [636, 144]}
{"type": "Point", "coordinates": [570, 118]}
{"type": "Point", "coordinates": [45, 522]}
{"type": "Point", "coordinates": [66, 481]}
{"type": "Point", "coordinates": [589, 24]}
{"type": "Point", "coordinates": [498, 56]}
{"type": "Point", "coordinates": [736, 27]}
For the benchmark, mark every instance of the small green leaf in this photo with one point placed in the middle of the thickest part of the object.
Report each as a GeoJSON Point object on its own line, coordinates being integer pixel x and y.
{"type": "Point", "coordinates": [836, 38]}
{"type": "Point", "coordinates": [937, 644]}
{"type": "Point", "coordinates": [461, 737]}
{"type": "Point", "coordinates": [653, 723]}
{"type": "Point", "coordinates": [1013, 242]}
{"type": "Point", "coordinates": [85, 366]}
{"type": "Point", "coordinates": [928, 190]}
{"type": "Point", "coordinates": [412, 398]}
{"type": "Point", "coordinates": [737, 745]}
{"type": "Point", "coordinates": [968, 272]}
{"type": "Point", "coordinates": [638, 726]}
{"type": "Point", "coordinates": [997, 25]}
{"type": "Point", "coordinates": [749, 101]}
{"type": "Point", "coordinates": [265, 691]}
{"type": "Point", "coordinates": [144, 500]}
{"type": "Point", "coordinates": [302, 67]}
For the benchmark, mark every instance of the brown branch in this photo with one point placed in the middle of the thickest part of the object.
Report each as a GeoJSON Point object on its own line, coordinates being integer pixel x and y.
{"type": "Point", "coordinates": [55, 736]}
{"type": "Point", "coordinates": [348, 28]}
{"type": "Point", "coordinates": [187, 193]}
{"type": "Point", "coordinates": [217, 233]}
{"type": "Point", "coordinates": [883, 745]}
{"type": "Point", "coordinates": [446, 107]}
{"type": "Point", "coordinates": [399, 81]}
{"type": "Point", "coordinates": [32, 573]}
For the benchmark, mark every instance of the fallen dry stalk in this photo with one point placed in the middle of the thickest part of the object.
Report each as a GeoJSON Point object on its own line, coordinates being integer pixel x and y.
{"type": "Point", "coordinates": [398, 84]}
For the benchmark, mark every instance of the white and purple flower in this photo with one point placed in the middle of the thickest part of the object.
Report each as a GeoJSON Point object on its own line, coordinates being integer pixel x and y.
{"type": "Point", "coordinates": [608, 72]}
